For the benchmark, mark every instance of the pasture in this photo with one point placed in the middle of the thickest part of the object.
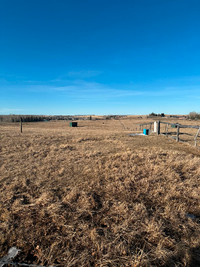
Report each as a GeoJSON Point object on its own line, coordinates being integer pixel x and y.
{"type": "Point", "coordinates": [95, 196]}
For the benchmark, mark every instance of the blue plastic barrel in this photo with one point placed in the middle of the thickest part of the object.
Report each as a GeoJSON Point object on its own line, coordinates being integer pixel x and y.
{"type": "Point", "coordinates": [146, 131]}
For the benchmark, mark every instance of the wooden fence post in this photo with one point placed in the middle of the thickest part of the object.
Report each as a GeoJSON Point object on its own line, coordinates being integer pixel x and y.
{"type": "Point", "coordinates": [158, 127]}
{"type": "Point", "coordinates": [178, 126]}
{"type": "Point", "coordinates": [21, 125]}
{"type": "Point", "coordinates": [177, 135]}
{"type": "Point", "coordinates": [195, 139]}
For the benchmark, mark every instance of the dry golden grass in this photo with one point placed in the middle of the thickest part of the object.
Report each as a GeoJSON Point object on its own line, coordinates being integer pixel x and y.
{"type": "Point", "coordinates": [95, 196]}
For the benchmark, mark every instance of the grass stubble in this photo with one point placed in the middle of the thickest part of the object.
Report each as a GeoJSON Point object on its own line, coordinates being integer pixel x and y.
{"type": "Point", "coordinates": [95, 196]}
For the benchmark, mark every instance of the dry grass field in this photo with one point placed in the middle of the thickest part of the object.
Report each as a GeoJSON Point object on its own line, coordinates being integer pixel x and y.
{"type": "Point", "coordinates": [95, 196]}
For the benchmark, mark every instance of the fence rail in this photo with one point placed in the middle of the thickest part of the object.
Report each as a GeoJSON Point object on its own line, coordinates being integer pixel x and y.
{"type": "Point", "coordinates": [177, 126]}
{"type": "Point", "coordinates": [180, 125]}
{"type": "Point", "coordinates": [142, 125]}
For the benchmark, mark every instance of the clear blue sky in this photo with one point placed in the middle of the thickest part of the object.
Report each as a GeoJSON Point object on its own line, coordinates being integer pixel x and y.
{"type": "Point", "coordinates": [99, 56]}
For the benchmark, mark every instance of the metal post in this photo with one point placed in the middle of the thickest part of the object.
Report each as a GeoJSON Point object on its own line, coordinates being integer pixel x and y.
{"type": "Point", "coordinates": [177, 136]}
{"type": "Point", "coordinates": [158, 127]}
{"type": "Point", "coordinates": [21, 125]}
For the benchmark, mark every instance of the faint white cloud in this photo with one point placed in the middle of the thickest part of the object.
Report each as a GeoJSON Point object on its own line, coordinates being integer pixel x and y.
{"type": "Point", "coordinates": [87, 90]}
{"type": "Point", "coordinates": [81, 89]}
{"type": "Point", "coordinates": [10, 110]}
{"type": "Point", "coordinates": [84, 74]}
{"type": "Point", "coordinates": [3, 81]}
{"type": "Point", "coordinates": [186, 91]}
{"type": "Point", "coordinates": [78, 90]}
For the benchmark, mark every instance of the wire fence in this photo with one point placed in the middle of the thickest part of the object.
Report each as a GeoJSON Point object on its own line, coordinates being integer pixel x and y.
{"type": "Point", "coordinates": [173, 130]}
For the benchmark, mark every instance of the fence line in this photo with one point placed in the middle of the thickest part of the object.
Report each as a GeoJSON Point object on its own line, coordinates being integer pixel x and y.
{"type": "Point", "coordinates": [179, 126]}
{"type": "Point", "coordinates": [174, 125]}
{"type": "Point", "coordinates": [145, 124]}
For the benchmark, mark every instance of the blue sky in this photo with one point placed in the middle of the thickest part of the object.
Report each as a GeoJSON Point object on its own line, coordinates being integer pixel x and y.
{"type": "Point", "coordinates": [99, 56]}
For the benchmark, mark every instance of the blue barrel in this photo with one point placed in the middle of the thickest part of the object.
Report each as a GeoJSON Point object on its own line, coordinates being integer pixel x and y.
{"type": "Point", "coordinates": [146, 131]}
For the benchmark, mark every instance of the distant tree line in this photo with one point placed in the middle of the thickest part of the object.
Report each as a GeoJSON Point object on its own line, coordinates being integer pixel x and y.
{"type": "Point", "coordinates": [115, 117]}
{"type": "Point", "coordinates": [156, 115]}
{"type": "Point", "coordinates": [25, 118]}
{"type": "Point", "coordinates": [193, 115]}
{"type": "Point", "coordinates": [35, 118]}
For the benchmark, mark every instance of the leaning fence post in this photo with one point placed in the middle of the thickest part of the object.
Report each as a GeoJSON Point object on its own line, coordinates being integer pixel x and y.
{"type": "Point", "coordinates": [177, 136]}
{"type": "Point", "coordinates": [195, 139]}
